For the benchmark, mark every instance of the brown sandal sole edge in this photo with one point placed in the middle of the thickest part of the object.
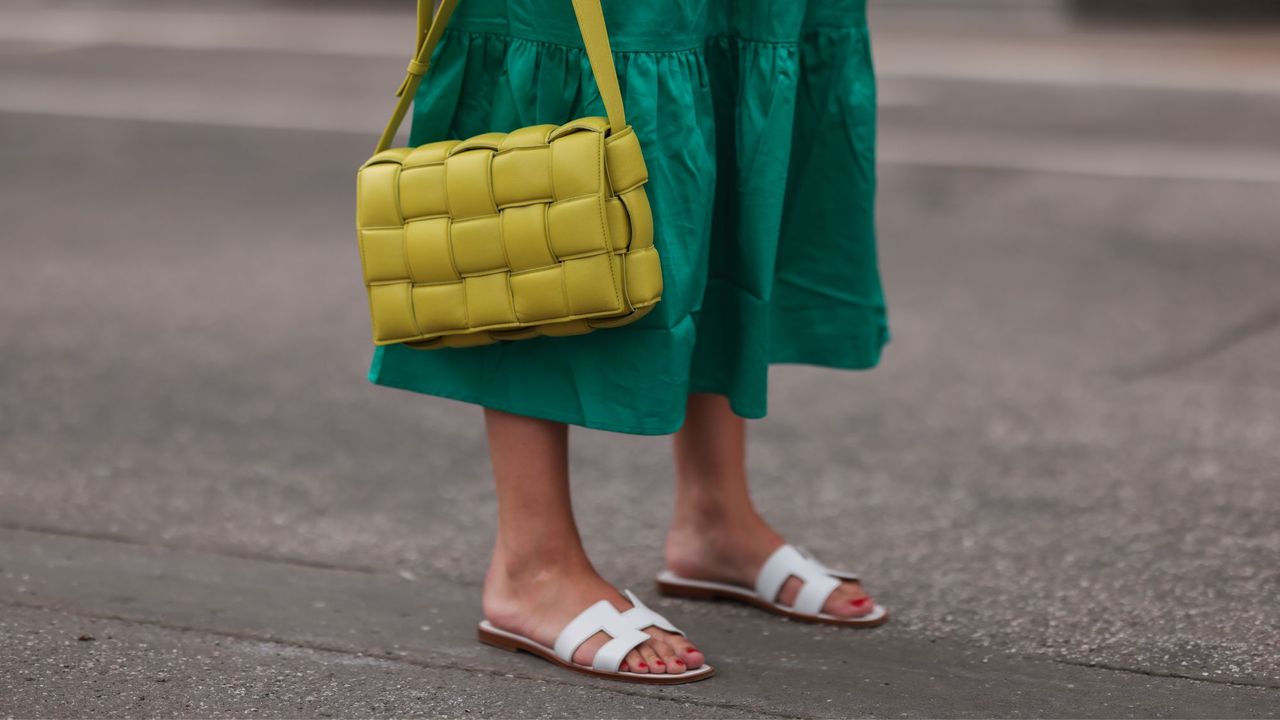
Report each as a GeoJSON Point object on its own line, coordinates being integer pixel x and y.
{"type": "Point", "coordinates": [490, 635]}
{"type": "Point", "coordinates": [699, 593]}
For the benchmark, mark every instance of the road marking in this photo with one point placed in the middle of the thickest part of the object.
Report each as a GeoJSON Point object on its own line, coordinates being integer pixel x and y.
{"type": "Point", "coordinates": [1131, 159]}
{"type": "Point", "coordinates": [1037, 154]}
{"type": "Point", "coordinates": [268, 108]}
{"type": "Point", "coordinates": [369, 34]}
{"type": "Point", "coordinates": [1245, 62]}
{"type": "Point", "coordinates": [192, 103]}
{"type": "Point", "coordinates": [1239, 62]}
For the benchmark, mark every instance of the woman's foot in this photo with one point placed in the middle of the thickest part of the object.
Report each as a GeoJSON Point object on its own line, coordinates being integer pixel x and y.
{"type": "Point", "coordinates": [730, 546]}
{"type": "Point", "coordinates": [537, 599]}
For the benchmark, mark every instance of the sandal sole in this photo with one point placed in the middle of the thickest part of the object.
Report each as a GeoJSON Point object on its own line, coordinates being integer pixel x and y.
{"type": "Point", "coordinates": [703, 591]}
{"type": "Point", "coordinates": [490, 635]}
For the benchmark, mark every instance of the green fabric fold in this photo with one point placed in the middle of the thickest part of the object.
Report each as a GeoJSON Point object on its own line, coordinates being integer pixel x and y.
{"type": "Point", "coordinates": [757, 121]}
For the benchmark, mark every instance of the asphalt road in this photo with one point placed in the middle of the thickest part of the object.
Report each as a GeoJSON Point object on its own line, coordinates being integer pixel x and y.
{"type": "Point", "coordinates": [1064, 479]}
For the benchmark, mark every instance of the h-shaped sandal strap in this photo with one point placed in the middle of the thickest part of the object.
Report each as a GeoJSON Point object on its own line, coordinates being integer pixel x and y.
{"type": "Point", "coordinates": [641, 617]}
{"type": "Point", "coordinates": [842, 574]}
{"type": "Point", "coordinates": [602, 616]}
{"type": "Point", "coordinates": [787, 561]}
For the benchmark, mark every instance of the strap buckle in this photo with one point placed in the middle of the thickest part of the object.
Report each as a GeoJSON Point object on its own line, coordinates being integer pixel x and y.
{"type": "Point", "coordinates": [415, 70]}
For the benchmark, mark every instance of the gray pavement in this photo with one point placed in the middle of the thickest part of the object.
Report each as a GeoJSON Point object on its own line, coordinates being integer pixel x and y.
{"type": "Point", "coordinates": [1063, 479]}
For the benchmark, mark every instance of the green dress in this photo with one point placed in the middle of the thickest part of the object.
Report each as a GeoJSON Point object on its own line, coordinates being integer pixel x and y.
{"type": "Point", "coordinates": [757, 119]}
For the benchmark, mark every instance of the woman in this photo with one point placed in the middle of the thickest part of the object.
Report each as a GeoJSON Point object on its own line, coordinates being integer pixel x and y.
{"type": "Point", "coordinates": [757, 120]}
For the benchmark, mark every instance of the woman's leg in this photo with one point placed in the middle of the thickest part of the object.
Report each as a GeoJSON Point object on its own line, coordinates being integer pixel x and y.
{"type": "Point", "coordinates": [540, 577]}
{"type": "Point", "coordinates": [716, 532]}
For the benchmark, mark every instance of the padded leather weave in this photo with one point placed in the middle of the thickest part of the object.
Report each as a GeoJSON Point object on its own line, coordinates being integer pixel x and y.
{"type": "Point", "coordinates": [505, 236]}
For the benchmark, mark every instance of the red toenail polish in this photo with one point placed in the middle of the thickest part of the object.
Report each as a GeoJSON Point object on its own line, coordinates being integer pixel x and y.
{"type": "Point", "coordinates": [642, 665]}
{"type": "Point", "coordinates": [860, 601]}
{"type": "Point", "coordinates": [659, 663]}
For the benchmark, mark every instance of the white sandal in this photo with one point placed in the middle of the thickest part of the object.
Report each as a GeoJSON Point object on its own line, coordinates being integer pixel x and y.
{"type": "Point", "coordinates": [819, 582]}
{"type": "Point", "coordinates": [623, 627]}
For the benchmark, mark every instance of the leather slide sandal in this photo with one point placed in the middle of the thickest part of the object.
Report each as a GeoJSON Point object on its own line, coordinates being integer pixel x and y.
{"type": "Point", "coordinates": [787, 561]}
{"type": "Point", "coordinates": [625, 630]}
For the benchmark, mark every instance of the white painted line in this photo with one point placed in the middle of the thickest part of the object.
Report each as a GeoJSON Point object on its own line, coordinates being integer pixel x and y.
{"type": "Point", "coordinates": [192, 103]}
{"type": "Point", "coordinates": [1247, 62]}
{"type": "Point", "coordinates": [249, 105]}
{"type": "Point", "coordinates": [370, 34]}
{"type": "Point", "coordinates": [1026, 154]}
{"type": "Point", "coordinates": [1056, 154]}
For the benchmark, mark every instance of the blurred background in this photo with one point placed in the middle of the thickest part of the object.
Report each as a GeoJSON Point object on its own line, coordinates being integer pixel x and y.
{"type": "Point", "coordinates": [1064, 479]}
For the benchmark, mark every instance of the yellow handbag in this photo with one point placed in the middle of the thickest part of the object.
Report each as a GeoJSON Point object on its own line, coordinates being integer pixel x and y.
{"type": "Point", "coordinates": [506, 236]}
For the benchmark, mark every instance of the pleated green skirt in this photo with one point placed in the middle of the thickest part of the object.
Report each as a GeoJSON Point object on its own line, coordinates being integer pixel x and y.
{"type": "Point", "coordinates": [757, 120]}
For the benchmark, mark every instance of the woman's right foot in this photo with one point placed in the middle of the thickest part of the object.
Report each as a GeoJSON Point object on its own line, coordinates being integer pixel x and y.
{"type": "Point", "coordinates": [536, 600]}
{"type": "Point", "coordinates": [731, 546]}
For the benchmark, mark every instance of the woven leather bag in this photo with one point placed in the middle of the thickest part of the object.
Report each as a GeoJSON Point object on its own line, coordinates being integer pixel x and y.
{"type": "Point", "coordinates": [506, 236]}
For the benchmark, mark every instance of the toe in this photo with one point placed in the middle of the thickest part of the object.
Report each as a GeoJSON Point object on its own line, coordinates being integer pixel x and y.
{"type": "Point", "coordinates": [670, 659]}
{"type": "Point", "coordinates": [649, 658]}
{"type": "Point", "coordinates": [634, 663]}
{"type": "Point", "coordinates": [692, 657]}
{"type": "Point", "coordinates": [849, 601]}
{"type": "Point", "coordinates": [662, 654]}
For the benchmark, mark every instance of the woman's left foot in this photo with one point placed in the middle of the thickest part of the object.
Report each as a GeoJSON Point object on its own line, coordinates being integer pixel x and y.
{"type": "Point", "coordinates": [732, 547]}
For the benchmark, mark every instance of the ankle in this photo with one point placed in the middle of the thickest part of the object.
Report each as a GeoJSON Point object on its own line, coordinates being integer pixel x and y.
{"type": "Point", "coordinates": [535, 562]}
{"type": "Point", "coordinates": [718, 538]}
{"type": "Point", "coordinates": [517, 582]}
{"type": "Point", "coordinates": [704, 517]}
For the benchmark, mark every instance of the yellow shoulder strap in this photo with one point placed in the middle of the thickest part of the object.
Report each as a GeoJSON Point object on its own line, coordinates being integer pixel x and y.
{"type": "Point", "coordinates": [595, 36]}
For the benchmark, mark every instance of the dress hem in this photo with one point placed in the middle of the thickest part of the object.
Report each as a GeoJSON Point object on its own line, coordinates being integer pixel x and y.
{"type": "Point", "coordinates": [799, 358]}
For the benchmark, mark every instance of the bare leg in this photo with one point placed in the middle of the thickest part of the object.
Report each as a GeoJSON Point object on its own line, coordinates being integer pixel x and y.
{"type": "Point", "coordinates": [716, 532]}
{"type": "Point", "coordinates": [540, 577]}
